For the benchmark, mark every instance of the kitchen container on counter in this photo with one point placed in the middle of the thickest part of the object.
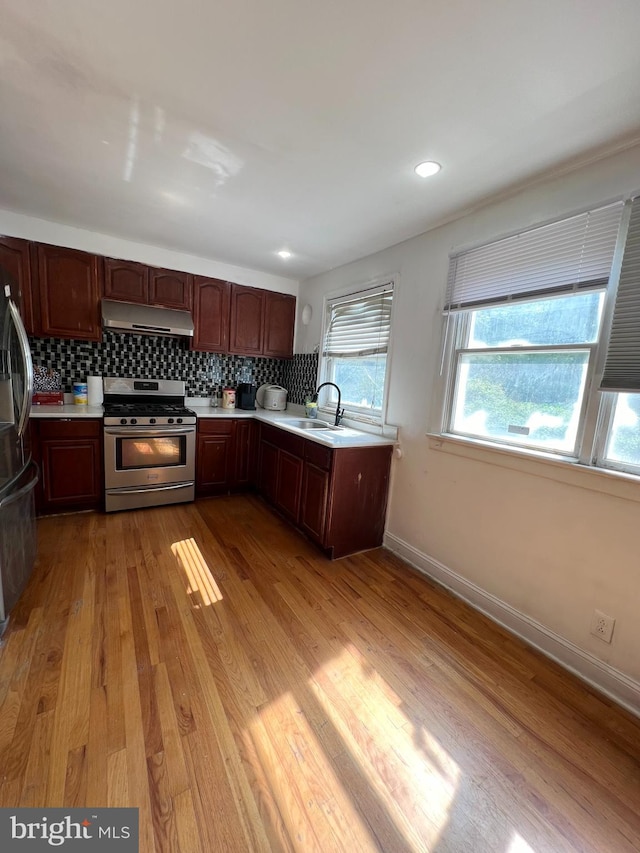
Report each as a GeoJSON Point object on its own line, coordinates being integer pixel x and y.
{"type": "Point", "coordinates": [228, 398]}
{"type": "Point", "coordinates": [80, 394]}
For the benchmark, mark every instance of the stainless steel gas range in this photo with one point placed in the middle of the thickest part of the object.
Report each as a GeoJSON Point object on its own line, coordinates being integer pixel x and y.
{"type": "Point", "coordinates": [149, 443]}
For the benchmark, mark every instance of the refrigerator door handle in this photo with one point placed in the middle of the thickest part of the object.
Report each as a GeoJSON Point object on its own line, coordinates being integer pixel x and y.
{"type": "Point", "coordinates": [23, 341]}
{"type": "Point", "coordinates": [12, 497]}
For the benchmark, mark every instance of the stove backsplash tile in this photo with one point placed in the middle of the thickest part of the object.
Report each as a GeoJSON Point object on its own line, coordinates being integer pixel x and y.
{"type": "Point", "coordinates": [148, 357]}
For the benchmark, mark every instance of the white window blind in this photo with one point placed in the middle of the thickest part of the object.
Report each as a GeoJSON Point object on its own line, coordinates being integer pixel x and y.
{"type": "Point", "coordinates": [360, 324]}
{"type": "Point", "coordinates": [622, 366]}
{"type": "Point", "coordinates": [569, 255]}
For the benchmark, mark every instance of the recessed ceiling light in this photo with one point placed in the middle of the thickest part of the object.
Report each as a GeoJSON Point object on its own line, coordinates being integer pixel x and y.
{"type": "Point", "coordinates": [428, 168]}
{"type": "Point", "coordinates": [284, 254]}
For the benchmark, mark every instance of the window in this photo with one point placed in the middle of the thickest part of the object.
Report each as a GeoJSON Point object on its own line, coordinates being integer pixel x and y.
{"type": "Point", "coordinates": [528, 320]}
{"type": "Point", "coordinates": [357, 331]}
{"type": "Point", "coordinates": [522, 372]}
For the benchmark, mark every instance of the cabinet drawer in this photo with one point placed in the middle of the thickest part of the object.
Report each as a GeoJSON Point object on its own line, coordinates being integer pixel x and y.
{"type": "Point", "coordinates": [293, 444]}
{"type": "Point", "coordinates": [76, 428]}
{"type": "Point", "coordinates": [209, 426]}
{"type": "Point", "coordinates": [318, 455]}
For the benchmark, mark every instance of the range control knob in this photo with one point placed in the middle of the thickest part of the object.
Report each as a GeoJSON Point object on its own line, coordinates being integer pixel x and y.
{"type": "Point", "coordinates": [152, 420]}
{"type": "Point", "coordinates": [170, 420]}
{"type": "Point", "coordinates": [123, 421]}
{"type": "Point", "coordinates": [179, 421]}
{"type": "Point", "coordinates": [134, 420]}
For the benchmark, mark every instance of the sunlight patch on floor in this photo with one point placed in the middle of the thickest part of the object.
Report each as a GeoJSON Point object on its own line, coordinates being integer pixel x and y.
{"type": "Point", "coordinates": [519, 845]}
{"type": "Point", "coordinates": [199, 577]}
{"type": "Point", "coordinates": [383, 745]}
{"type": "Point", "coordinates": [310, 796]}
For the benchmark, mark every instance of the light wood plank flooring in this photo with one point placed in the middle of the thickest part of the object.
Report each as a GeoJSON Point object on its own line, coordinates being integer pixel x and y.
{"type": "Point", "coordinates": [208, 665]}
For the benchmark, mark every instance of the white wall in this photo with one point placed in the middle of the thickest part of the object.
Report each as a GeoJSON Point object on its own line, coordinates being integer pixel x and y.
{"type": "Point", "coordinates": [43, 231]}
{"type": "Point", "coordinates": [549, 546]}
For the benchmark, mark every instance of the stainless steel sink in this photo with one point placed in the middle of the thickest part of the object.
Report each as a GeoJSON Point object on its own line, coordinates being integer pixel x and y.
{"type": "Point", "coordinates": [307, 424]}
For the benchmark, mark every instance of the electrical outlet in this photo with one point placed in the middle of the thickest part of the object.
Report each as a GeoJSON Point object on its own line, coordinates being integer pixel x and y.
{"type": "Point", "coordinates": [602, 626]}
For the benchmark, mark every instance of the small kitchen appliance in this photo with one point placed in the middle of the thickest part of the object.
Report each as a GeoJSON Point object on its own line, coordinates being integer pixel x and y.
{"type": "Point", "coordinates": [272, 398]}
{"type": "Point", "coordinates": [246, 396]}
{"type": "Point", "coordinates": [149, 443]}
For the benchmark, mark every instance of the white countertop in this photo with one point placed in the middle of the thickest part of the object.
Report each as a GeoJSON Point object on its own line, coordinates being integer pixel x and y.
{"type": "Point", "coordinates": [67, 411]}
{"type": "Point", "coordinates": [343, 437]}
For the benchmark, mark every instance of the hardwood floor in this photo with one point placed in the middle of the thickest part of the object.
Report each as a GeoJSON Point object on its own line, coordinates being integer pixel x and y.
{"type": "Point", "coordinates": [205, 663]}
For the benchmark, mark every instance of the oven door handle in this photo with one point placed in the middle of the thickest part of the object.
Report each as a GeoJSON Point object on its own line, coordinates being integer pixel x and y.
{"type": "Point", "coordinates": [154, 433]}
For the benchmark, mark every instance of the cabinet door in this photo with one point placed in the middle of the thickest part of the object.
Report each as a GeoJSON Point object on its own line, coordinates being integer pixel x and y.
{"type": "Point", "coordinates": [279, 323]}
{"type": "Point", "coordinates": [70, 457]}
{"type": "Point", "coordinates": [268, 470]}
{"type": "Point", "coordinates": [211, 304]}
{"type": "Point", "coordinates": [16, 260]}
{"type": "Point", "coordinates": [126, 280]}
{"type": "Point", "coordinates": [289, 485]}
{"type": "Point", "coordinates": [246, 322]}
{"type": "Point", "coordinates": [358, 499]}
{"type": "Point", "coordinates": [69, 289]}
{"type": "Point", "coordinates": [245, 454]}
{"type": "Point", "coordinates": [313, 504]}
{"type": "Point", "coordinates": [170, 288]}
{"type": "Point", "coordinates": [214, 462]}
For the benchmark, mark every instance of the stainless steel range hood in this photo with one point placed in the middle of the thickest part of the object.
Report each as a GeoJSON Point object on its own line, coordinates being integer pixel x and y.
{"type": "Point", "coordinates": [146, 319]}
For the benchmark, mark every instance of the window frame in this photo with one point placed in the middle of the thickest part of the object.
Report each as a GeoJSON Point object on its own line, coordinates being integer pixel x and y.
{"type": "Point", "coordinates": [598, 408]}
{"type": "Point", "coordinates": [358, 414]}
{"type": "Point", "coordinates": [459, 345]}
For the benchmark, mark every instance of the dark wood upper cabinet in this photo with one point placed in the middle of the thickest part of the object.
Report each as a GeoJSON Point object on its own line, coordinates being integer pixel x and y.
{"type": "Point", "coordinates": [15, 257]}
{"type": "Point", "coordinates": [246, 326]}
{"type": "Point", "coordinates": [69, 285]}
{"type": "Point", "coordinates": [279, 322]}
{"type": "Point", "coordinates": [170, 288]}
{"type": "Point", "coordinates": [126, 281]}
{"type": "Point", "coordinates": [211, 303]}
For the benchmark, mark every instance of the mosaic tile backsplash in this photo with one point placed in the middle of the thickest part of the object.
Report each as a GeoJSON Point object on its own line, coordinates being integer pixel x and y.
{"type": "Point", "coordinates": [148, 357]}
{"type": "Point", "coordinates": [300, 377]}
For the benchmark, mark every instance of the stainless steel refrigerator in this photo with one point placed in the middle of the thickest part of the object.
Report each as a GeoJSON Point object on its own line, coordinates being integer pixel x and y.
{"type": "Point", "coordinates": [18, 474]}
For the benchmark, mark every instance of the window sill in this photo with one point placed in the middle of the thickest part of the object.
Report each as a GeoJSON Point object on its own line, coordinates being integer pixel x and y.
{"type": "Point", "coordinates": [603, 480]}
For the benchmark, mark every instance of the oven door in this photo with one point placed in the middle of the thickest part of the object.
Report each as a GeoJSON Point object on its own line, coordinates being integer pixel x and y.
{"type": "Point", "coordinates": [138, 457]}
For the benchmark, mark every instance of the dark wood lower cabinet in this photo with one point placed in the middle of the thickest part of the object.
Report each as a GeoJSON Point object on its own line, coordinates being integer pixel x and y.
{"type": "Point", "coordinates": [244, 453]}
{"type": "Point", "coordinates": [268, 470]}
{"type": "Point", "coordinates": [69, 453]}
{"type": "Point", "coordinates": [337, 497]}
{"type": "Point", "coordinates": [289, 485]}
{"type": "Point", "coordinates": [214, 457]}
{"type": "Point", "coordinates": [357, 501]}
{"type": "Point", "coordinates": [225, 458]}
{"type": "Point", "coordinates": [315, 491]}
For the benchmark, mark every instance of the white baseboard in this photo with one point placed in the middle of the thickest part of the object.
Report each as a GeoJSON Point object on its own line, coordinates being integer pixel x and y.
{"type": "Point", "coordinates": [608, 680]}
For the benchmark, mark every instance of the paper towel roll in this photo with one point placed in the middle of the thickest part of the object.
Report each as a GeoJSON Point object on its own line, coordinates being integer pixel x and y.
{"type": "Point", "coordinates": [94, 388]}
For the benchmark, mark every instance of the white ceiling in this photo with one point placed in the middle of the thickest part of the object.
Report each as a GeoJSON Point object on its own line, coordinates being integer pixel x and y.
{"type": "Point", "coordinates": [233, 128]}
